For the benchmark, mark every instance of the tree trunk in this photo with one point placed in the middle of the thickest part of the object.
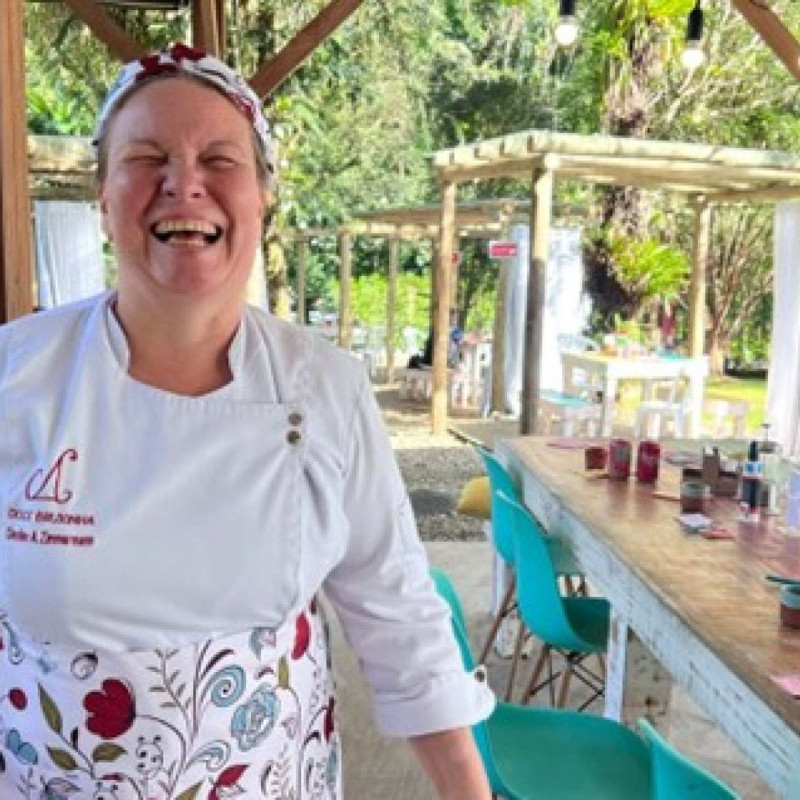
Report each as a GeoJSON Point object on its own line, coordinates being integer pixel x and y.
{"type": "Point", "coordinates": [717, 348]}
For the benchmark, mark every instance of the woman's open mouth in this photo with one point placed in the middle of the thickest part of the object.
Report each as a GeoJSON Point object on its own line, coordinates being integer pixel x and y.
{"type": "Point", "coordinates": [193, 233]}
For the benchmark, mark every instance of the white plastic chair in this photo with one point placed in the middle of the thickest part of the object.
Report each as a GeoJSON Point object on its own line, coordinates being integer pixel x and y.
{"type": "Point", "coordinates": [674, 407]}
{"type": "Point", "coordinates": [729, 417]}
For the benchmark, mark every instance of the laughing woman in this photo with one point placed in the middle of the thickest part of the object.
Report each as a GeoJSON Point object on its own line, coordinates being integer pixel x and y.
{"type": "Point", "coordinates": [180, 475]}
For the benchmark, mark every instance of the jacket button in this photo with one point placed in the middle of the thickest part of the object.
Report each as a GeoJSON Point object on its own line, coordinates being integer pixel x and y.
{"type": "Point", "coordinates": [295, 418]}
{"type": "Point", "coordinates": [293, 437]}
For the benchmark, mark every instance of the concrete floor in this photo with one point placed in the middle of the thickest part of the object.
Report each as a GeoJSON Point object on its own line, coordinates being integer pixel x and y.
{"type": "Point", "coordinates": [377, 769]}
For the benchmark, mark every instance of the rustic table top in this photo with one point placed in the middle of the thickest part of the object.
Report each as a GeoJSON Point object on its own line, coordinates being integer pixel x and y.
{"type": "Point", "coordinates": [715, 587]}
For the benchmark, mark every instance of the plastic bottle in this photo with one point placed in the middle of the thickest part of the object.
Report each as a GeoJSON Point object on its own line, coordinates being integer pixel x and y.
{"type": "Point", "coordinates": [750, 505]}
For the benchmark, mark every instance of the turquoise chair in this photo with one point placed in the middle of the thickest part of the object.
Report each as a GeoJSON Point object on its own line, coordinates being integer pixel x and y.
{"type": "Point", "coordinates": [674, 776]}
{"type": "Point", "coordinates": [575, 626]}
{"type": "Point", "coordinates": [501, 481]}
{"type": "Point", "coordinates": [551, 754]}
{"type": "Point", "coordinates": [554, 754]}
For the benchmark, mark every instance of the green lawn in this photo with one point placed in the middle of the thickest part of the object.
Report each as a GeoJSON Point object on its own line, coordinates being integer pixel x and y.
{"type": "Point", "coordinates": [751, 390]}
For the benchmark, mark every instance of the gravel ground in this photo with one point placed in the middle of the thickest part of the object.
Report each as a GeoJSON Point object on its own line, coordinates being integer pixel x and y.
{"type": "Point", "coordinates": [435, 469]}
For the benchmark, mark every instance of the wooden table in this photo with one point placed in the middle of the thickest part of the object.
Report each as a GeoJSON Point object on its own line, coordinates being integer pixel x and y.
{"type": "Point", "coordinates": [701, 607]}
{"type": "Point", "coordinates": [607, 371]}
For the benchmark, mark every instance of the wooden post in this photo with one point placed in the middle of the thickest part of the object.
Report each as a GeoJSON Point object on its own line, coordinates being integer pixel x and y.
{"type": "Point", "coordinates": [697, 287]}
{"type": "Point", "coordinates": [441, 313]}
{"type": "Point", "coordinates": [435, 251]}
{"type": "Point", "coordinates": [206, 27]}
{"type": "Point", "coordinates": [541, 206]}
{"type": "Point", "coordinates": [455, 269]}
{"type": "Point", "coordinates": [499, 339]}
{"type": "Point", "coordinates": [345, 326]}
{"type": "Point", "coordinates": [391, 306]}
{"type": "Point", "coordinates": [302, 267]}
{"type": "Point", "coordinates": [16, 265]}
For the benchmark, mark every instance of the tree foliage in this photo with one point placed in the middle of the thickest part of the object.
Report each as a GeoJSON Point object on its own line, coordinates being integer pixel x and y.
{"type": "Point", "coordinates": [357, 123]}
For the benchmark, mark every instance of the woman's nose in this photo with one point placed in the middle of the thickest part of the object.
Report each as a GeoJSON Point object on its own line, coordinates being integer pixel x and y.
{"type": "Point", "coordinates": [183, 179]}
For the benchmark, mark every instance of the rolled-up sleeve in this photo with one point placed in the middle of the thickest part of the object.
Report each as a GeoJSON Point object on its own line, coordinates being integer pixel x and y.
{"type": "Point", "coordinates": [381, 589]}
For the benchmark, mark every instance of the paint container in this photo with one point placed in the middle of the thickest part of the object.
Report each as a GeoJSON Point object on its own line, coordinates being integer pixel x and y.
{"type": "Point", "coordinates": [595, 457]}
{"type": "Point", "coordinates": [695, 497]}
{"type": "Point", "coordinates": [619, 459]}
{"type": "Point", "coordinates": [647, 457]}
{"type": "Point", "coordinates": [790, 605]}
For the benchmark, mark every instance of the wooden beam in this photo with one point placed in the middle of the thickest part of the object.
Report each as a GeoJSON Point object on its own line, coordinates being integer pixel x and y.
{"type": "Point", "coordinates": [274, 72]}
{"type": "Point", "coordinates": [345, 274]}
{"type": "Point", "coordinates": [302, 268]}
{"type": "Point", "coordinates": [117, 40]}
{"type": "Point", "coordinates": [697, 286]}
{"type": "Point", "coordinates": [499, 339]}
{"type": "Point", "coordinates": [16, 279]}
{"type": "Point", "coordinates": [541, 208]}
{"type": "Point", "coordinates": [441, 313]}
{"type": "Point", "coordinates": [206, 27]}
{"type": "Point", "coordinates": [774, 33]}
{"type": "Point", "coordinates": [391, 306]}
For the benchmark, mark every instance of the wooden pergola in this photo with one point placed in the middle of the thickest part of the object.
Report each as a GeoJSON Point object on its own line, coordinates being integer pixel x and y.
{"type": "Point", "coordinates": [704, 174]}
{"type": "Point", "coordinates": [479, 219]}
{"type": "Point", "coordinates": [208, 32]}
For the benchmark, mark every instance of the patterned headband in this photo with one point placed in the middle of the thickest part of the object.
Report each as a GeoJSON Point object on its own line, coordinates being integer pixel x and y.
{"type": "Point", "coordinates": [180, 58]}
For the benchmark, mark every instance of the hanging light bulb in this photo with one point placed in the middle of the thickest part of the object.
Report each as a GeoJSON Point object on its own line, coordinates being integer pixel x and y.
{"type": "Point", "coordinates": [693, 55]}
{"type": "Point", "coordinates": [567, 28]}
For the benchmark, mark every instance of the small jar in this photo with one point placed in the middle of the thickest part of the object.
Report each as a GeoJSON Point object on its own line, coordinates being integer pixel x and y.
{"type": "Point", "coordinates": [790, 605]}
{"type": "Point", "coordinates": [595, 457]}
{"type": "Point", "coordinates": [619, 459]}
{"type": "Point", "coordinates": [647, 457]}
{"type": "Point", "coordinates": [695, 497]}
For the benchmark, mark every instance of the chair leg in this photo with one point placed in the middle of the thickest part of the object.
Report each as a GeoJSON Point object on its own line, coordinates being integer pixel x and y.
{"type": "Point", "coordinates": [565, 679]}
{"type": "Point", "coordinates": [601, 661]}
{"type": "Point", "coordinates": [501, 614]}
{"type": "Point", "coordinates": [537, 671]}
{"type": "Point", "coordinates": [515, 660]}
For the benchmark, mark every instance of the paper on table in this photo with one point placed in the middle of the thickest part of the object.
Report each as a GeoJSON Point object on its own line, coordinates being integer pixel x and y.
{"type": "Point", "coordinates": [694, 522]}
{"type": "Point", "coordinates": [789, 683]}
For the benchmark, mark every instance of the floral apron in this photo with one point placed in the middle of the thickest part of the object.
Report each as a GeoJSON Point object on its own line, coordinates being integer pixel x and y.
{"type": "Point", "coordinates": [154, 642]}
{"type": "Point", "coordinates": [248, 714]}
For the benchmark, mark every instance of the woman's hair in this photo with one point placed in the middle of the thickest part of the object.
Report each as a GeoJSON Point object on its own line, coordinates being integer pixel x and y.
{"type": "Point", "coordinates": [263, 172]}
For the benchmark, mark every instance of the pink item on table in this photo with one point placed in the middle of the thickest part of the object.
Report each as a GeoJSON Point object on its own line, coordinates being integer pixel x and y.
{"type": "Point", "coordinates": [789, 683]}
{"type": "Point", "coordinates": [647, 458]}
{"type": "Point", "coordinates": [619, 459]}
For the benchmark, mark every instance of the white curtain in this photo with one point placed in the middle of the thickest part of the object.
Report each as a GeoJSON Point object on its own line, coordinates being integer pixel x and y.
{"type": "Point", "coordinates": [566, 308]}
{"type": "Point", "coordinates": [783, 392]}
{"type": "Point", "coordinates": [69, 252]}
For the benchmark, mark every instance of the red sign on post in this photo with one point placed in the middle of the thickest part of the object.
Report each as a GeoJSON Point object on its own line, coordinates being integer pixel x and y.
{"type": "Point", "coordinates": [503, 249]}
{"type": "Point", "coordinates": [456, 258]}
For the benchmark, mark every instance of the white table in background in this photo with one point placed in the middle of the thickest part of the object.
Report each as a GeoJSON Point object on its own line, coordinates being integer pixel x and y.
{"type": "Point", "coordinates": [605, 372]}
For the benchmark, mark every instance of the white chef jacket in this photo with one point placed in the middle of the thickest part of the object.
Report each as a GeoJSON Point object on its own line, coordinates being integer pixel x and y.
{"type": "Point", "coordinates": [348, 529]}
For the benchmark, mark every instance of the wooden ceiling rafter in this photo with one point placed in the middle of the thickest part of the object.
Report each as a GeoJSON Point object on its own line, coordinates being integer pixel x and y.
{"type": "Point", "coordinates": [114, 37]}
{"type": "Point", "coordinates": [769, 26]}
{"type": "Point", "coordinates": [279, 67]}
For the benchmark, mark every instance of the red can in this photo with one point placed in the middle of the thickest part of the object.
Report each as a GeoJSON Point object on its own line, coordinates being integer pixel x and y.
{"type": "Point", "coordinates": [595, 457]}
{"type": "Point", "coordinates": [619, 459]}
{"type": "Point", "coordinates": [647, 457]}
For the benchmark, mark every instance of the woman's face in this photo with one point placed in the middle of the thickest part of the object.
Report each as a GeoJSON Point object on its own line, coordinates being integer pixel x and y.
{"type": "Point", "coordinates": [181, 200]}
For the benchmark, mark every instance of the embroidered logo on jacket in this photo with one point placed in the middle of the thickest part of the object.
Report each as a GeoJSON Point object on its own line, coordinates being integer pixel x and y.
{"type": "Point", "coordinates": [45, 526]}
{"type": "Point", "coordinates": [48, 487]}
